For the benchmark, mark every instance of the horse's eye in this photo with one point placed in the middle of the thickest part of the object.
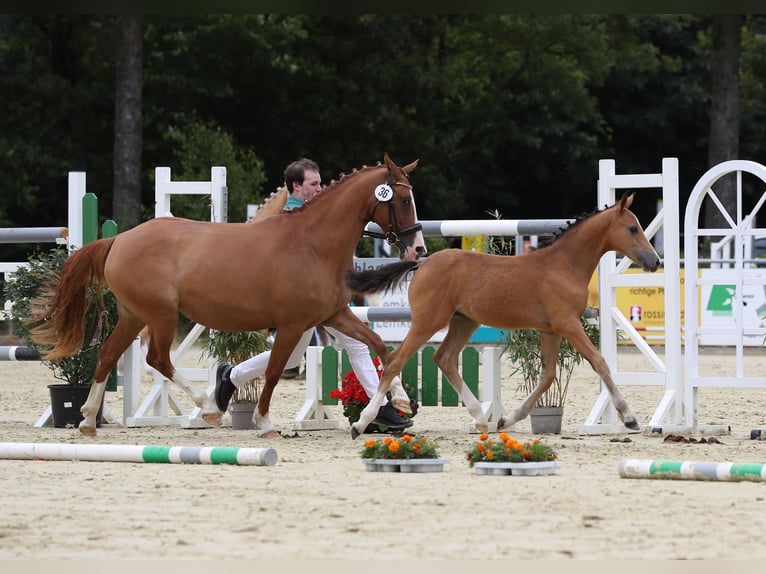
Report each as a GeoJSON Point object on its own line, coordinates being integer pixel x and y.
{"type": "Point", "coordinates": [633, 229]}
{"type": "Point", "coordinates": [406, 201]}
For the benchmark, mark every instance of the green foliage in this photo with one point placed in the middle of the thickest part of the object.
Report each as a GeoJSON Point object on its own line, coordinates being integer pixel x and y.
{"type": "Point", "coordinates": [28, 283]}
{"type": "Point", "coordinates": [405, 448]}
{"type": "Point", "coordinates": [199, 146]}
{"type": "Point", "coordinates": [510, 111]}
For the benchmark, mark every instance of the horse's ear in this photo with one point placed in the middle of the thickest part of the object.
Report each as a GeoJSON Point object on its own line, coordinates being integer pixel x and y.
{"type": "Point", "coordinates": [409, 167]}
{"type": "Point", "coordinates": [389, 162]}
{"type": "Point", "coordinates": [626, 200]}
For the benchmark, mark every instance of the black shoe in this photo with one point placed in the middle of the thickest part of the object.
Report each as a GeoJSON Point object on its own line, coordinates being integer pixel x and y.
{"type": "Point", "coordinates": [388, 416]}
{"type": "Point", "coordinates": [290, 373]}
{"type": "Point", "coordinates": [224, 388]}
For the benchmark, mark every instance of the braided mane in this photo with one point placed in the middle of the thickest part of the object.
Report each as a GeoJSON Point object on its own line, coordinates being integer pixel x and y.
{"type": "Point", "coordinates": [549, 240]}
{"type": "Point", "coordinates": [334, 183]}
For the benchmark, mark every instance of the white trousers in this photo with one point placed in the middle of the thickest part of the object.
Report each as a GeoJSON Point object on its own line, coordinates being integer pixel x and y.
{"type": "Point", "coordinates": [358, 356]}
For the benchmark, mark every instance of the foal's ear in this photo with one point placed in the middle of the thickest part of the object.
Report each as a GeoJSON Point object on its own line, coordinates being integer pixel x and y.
{"type": "Point", "coordinates": [626, 200]}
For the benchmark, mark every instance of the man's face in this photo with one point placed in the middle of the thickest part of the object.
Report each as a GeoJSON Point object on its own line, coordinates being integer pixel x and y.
{"type": "Point", "coordinates": [312, 183]}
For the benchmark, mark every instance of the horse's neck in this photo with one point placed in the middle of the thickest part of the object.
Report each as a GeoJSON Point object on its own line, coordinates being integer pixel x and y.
{"type": "Point", "coordinates": [337, 216]}
{"type": "Point", "coordinates": [583, 246]}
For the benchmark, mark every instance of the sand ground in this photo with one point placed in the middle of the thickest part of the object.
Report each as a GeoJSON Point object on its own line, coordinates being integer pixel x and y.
{"type": "Point", "coordinates": [319, 502]}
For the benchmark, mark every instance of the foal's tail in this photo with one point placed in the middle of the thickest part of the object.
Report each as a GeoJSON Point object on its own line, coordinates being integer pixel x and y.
{"type": "Point", "coordinates": [383, 278]}
{"type": "Point", "coordinates": [59, 311]}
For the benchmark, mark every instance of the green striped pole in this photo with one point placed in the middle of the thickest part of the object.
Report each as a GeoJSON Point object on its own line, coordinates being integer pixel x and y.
{"type": "Point", "coordinates": [692, 470]}
{"type": "Point", "coordinates": [138, 453]}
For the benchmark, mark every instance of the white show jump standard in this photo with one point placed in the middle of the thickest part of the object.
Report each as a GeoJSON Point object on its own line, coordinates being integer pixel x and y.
{"type": "Point", "coordinates": [139, 453]}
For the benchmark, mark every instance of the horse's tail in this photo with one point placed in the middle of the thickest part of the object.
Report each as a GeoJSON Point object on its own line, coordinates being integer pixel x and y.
{"type": "Point", "coordinates": [59, 312]}
{"type": "Point", "coordinates": [383, 278]}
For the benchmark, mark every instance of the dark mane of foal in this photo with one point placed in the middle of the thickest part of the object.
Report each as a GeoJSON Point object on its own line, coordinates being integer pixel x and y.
{"type": "Point", "coordinates": [333, 184]}
{"type": "Point", "coordinates": [549, 240]}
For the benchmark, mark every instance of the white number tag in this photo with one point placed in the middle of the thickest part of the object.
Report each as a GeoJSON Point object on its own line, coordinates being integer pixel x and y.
{"type": "Point", "coordinates": [383, 192]}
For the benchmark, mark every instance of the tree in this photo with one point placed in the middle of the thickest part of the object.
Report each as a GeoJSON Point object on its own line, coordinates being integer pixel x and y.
{"type": "Point", "coordinates": [126, 206]}
{"type": "Point", "coordinates": [723, 144]}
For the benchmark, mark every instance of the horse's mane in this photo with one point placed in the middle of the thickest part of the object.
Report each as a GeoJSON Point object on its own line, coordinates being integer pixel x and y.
{"type": "Point", "coordinates": [549, 240]}
{"type": "Point", "coordinates": [334, 184]}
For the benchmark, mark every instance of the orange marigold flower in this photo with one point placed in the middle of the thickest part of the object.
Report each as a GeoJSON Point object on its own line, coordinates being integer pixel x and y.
{"type": "Point", "coordinates": [483, 436]}
{"type": "Point", "coordinates": [394, 446]}
{"type": "Point", "coordinates": [490, 454]}
{"type": "Point", "coordinates": [504, 436]}
{"type": "Point", "coordinates": [480, 447]}
{"type": "Point", "coordinates": [388, 440]}
{"type": "Point", "coordinates": [406, 438]}
{"type": "Point", "coordinates": [369, 443]}
{"type": "Point", "coordinates": [416, 447]}
{"type": "Point", "coordinates": [526, 454]}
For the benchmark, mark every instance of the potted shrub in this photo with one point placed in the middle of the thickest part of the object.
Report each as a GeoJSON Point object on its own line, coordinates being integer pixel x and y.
{"type": "Point", "coordinates": [26, 285]}
{"type": "Point", "coordinates": [233, 348]}
{"type": "Point", "coordinates": [523, 347]}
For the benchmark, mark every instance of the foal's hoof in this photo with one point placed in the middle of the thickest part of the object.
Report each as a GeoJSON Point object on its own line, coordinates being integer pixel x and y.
{"type": "Point", "coordinates": [354, 433]}
{"type": "Point", "coordinates": [502, 423]}
{"type": "Point", "coordinates": [632, 425]}
{"type": "Point", "coordinates": [212, 419]}
{"type": "Point", "coordinates": [88, 431]}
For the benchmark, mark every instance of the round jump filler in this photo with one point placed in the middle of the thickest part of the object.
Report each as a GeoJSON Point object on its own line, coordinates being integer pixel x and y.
{"type": "Point", "coordinates": [138, 453]}
{"type": "Point", "coordinates": [692, 470]}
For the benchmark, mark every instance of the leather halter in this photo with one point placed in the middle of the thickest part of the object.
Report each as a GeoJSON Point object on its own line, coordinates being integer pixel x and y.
{"type": "Point", "coordinates": [393, 233]}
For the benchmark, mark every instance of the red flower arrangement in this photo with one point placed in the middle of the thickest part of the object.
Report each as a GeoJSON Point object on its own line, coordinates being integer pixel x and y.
{"type": "Point", "coordinates": [352, 395]}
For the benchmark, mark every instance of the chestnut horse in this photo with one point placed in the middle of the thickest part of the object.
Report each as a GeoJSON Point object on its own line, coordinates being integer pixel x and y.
{"type": "Point", "coordinates": [545, 289]}
{"type": "Point", "coordinates": [285, 271]}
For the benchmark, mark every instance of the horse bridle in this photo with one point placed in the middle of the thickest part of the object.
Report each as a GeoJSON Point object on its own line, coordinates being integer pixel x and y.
{"type": "Point", "coordinates": [393, 233]}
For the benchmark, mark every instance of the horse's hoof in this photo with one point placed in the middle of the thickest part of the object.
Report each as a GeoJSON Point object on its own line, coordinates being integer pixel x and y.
{"type": "Point", "coordinates": [354, 432]}
{"type": "Point", "coordinates": [482, 428]}
{"type": "Point", "coordinates": [271, 434]}
{"type": "Point", "coordinates": [212, 419]}
{"type": "Point", "coordinates": [632, 425]}
{"type": "Point", "coordinates": [88, 431]}
{"type": "Point", "coordinates": [502, 423]}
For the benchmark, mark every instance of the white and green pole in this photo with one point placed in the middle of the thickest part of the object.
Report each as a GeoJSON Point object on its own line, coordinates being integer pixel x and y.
{"type": "Point", "coordinates": [138, 453]}
{"type": "Point", "coordinates": [693, 470]}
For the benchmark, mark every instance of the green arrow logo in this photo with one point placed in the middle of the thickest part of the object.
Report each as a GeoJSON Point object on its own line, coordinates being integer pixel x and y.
{"type": "Point", "coordinates": [720, 301]}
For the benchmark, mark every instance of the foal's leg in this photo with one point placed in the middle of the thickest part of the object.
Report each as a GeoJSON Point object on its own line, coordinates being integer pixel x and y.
{"type": "Point", "coordinates": [392, 368]}
{"type": "Point", "coordinates": [124, 333]}
{"type": "Point", "coordinates": [158, 357]}
{"type": "Point", "coordinates": [549, 352]}
{"type": "Point", "coordinates": [446, 357]}
{"type": "Point", "coordinates": [582, 343]}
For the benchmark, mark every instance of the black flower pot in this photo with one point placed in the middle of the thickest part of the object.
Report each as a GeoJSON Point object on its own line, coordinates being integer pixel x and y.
{"type": "Point", "coordinates": [66, 401]}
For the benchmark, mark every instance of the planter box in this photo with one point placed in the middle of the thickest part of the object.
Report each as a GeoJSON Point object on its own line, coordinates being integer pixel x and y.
{"type": "Point", "coordinates": [546, 420]}
{"type": "Point", "coordinates": [409, 465]}
{"type": "Point", "coordinates": [517, 468]}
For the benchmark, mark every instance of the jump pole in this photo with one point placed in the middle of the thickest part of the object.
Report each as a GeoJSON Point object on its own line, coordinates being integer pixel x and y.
{"type": "Point", "coordinates": [17, 353]}
{"type": "Point", "coordinates": [139, 453]}
{"type": "Point", "coordinates": [692, 470]}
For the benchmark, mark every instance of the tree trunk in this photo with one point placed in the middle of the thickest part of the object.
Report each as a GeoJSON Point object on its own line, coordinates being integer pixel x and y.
{"type": "Point", "coordinates": [724, 112]}
{"type": "Point", "coordinates": [128, 142]}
